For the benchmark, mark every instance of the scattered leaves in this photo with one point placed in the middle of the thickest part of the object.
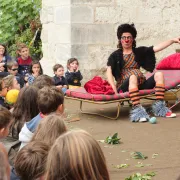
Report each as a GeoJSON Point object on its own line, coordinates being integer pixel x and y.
{"type": "Point", "coordinates": [138, 155]}
{"type": "Point", "coordinates": [113, 139]}
{"type": "Point", "coordinates": [122, 166]}
{"type": "Point", "coordinates": [123, 151]}
{"type": "Point", "coordinates": [101, 141]}
{"type": "Point", "coordinates": [140, 164]}
{"type": "Point", "coordinates": [154, 155]}
{"type": "Point", "coordinates": [139, 176]}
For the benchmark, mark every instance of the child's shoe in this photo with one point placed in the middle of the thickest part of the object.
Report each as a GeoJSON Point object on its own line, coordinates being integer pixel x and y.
{"type": "Point", "coordinates": [139, 114]}
{"type": "Point", "coordinates": [159, 109]}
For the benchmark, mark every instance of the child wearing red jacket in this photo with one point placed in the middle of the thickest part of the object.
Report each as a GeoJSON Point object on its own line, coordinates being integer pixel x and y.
{"type": "Point", "coordinates": [24, 60]}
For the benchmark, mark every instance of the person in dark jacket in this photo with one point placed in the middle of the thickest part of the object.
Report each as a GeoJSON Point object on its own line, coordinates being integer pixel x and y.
{"type": "Point", "coordinates": [59, 79]}
{"type": "Point", "coordinates": [73, 75]}
{"type": "Point", "coordinates": [124, 65]}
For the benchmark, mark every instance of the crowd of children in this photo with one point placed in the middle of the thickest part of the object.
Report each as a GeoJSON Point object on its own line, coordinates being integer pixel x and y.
{"type": "Point", "coordinates": [48, 149]}
{"type": "Point", "coordinates": [33, 119]}
{"type": "Point", "coordinates": [16, 73]}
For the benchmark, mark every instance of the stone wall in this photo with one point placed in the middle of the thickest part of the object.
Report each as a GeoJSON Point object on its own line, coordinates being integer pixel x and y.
{"type": "Point", "coordinates": [86, 29]}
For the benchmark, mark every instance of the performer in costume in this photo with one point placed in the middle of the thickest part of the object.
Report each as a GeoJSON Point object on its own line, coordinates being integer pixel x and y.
{"type": "Point", "coordinates": [124, 65]}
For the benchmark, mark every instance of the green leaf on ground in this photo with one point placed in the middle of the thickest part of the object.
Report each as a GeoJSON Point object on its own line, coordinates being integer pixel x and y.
{"type": "Point", "coordinates": [139, 176]}
{"type": "Point", "coordinates": [101, 141]}
{"type": "Point", "coordinates": [122, 166]}
{"type": "Point", "coordinates": [138, 155]}
{"type": "Point", "coordinates": [123, 151]}
{"type": "Point", "coordinates": [154, 155]}
{"type": "Point", "coordinates": [140, 164]}
{"type": "Point", "coordinates": [113, 139]}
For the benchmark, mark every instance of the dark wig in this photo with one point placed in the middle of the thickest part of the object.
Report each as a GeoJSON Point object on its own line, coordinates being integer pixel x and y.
{"type": "Point", "coordinates": [5, 49]}
{"type": "Point", "coordinates": [126, 28]}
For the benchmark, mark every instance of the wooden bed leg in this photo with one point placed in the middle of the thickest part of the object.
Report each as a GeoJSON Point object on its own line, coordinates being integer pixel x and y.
{"type": "Point", "coordinates": [114, 118]}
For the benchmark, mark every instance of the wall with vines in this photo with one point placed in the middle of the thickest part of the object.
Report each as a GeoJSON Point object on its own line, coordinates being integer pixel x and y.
{"type": "Point", "coordinates": [20, 23]}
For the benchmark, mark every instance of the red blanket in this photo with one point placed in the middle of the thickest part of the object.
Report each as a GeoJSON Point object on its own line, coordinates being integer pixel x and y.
{"type": "Point", "coordinates": [98, 86]}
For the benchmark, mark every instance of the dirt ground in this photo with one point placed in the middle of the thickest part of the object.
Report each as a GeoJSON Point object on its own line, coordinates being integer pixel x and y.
{"type": "Point", "coordinates": [162, 138]}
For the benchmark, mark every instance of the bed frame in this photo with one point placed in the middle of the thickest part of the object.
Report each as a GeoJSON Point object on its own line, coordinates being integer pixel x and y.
{"type": "Point", "coordinates": [172, 81]}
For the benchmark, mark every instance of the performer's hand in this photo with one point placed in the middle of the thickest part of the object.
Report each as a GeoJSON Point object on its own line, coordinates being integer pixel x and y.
{"type": "Point", "coordinates": [176, 40]}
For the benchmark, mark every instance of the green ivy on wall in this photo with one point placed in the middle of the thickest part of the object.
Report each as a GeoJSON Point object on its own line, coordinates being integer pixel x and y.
{"type": "Point", "coordinates": [20, 23]}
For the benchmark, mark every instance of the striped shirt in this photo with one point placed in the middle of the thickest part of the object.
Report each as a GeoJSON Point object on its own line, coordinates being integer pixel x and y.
{"type": "Point", "coordinates": [130, 67]}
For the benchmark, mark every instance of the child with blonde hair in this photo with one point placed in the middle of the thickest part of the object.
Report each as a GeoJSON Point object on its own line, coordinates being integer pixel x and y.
{"type": "Point", "coordinates": [73, 75]}
{"type": "Point", "coordinates": [76, 155]}
{"type": "Point", "coordinates": [49, 129]}
{"type": "Point", "coordinates": [11, 82]}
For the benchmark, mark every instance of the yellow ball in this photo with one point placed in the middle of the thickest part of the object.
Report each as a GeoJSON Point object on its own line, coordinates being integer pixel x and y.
{"type": "Point", "coordinates": [11, 96]}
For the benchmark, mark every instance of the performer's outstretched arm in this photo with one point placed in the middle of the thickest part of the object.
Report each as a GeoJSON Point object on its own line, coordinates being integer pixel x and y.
{"type": "Point", "coordinates": [165, 44]}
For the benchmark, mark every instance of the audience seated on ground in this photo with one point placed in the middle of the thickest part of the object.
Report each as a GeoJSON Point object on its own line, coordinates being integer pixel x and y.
{"type": "Point", "coordinates": [3, 92]}
{"type": "Point", "coordinates": [4, 175]}
{"type": "Point", "coordinates": [5, 123]}
{"type": "Point", "coordinates": [24, 60]}
{"type": "Point", "coordinates": [50, 129]}
{"type": "Point", "coordinates": [34, 71]}
{"type": "Point", "coordinates": [50, 100]}
{"type": "Point", "coordinates": [43, 80]}
{"type": "Point", "coordinates": [11, 82]}
{"type": "Point", "coordinates": [30, 163]}
{"type": "Point", "coordinates": [25, 109]}
{"type": "Point", "coordinates": [12, 67]}
{"type": "Point", "coordinates": [76, 155]}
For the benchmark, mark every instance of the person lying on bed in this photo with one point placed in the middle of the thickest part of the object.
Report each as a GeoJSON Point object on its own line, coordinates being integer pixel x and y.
{"type": "Point", "coordinates": [124, 65]}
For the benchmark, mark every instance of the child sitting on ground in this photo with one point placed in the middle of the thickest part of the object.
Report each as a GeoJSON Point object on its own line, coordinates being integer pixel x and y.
{"type": "Point", "coordinates": [43, 80]}
{"type": "Point", "coordinates": [76, 155]}
{"type": "Point", "coordinates": [25, 109]}
{"type": "Point", "coordinates": [11, 82]}
{"type": "Point", "coordinates": [73, 75]}
{"type": "Point", "coordinates": [50, 100]}
{"type": "Point", "coordinates": [47, 132]}
{"type": "Point", "coordinates": [59, 79]}
{"type": "Point", "coordinates": [5, 123]}
{"type": "Point", "coordinates": [24, 60]}
{"type": "Point", "coordinates": [50, 129]}
{"type": "Point", "coordinates": [12, 67]}
{"type": "Point", "coordinates": [3, 92]}
{"type": "Point", "coordinates": [30, 163]}
{"type": "Point", "coordinates": [4, 175]}
{"type": "Point", "coordinates": [34, 71]}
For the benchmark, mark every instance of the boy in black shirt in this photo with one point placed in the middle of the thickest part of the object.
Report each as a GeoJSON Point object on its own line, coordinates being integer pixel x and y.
{"type": "Point", "coordinates": [59, 79]}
